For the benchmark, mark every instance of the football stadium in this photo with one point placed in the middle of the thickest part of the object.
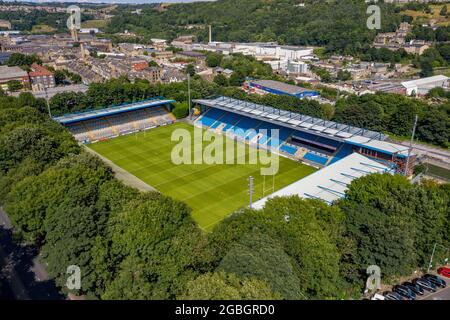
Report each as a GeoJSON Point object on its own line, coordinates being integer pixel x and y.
{"type": "Point", "coordinates": [317, 158]}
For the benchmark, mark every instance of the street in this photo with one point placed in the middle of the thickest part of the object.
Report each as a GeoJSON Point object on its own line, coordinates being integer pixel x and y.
{"type": "Point", "coordinates": [25, 276]}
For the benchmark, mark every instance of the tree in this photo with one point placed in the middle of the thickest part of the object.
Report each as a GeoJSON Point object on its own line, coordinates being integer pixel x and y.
{"type": "Point", "coordinates": [221, 80]}
{"type": "Point", "coordinates": [237, 79]}
{"type": "Point", "coordinates": [22, 60]}
{"type": "Point", "coordinates": [60, 76]}
{"type": "Point", "coordinates": [392, 223]}
{"type": "Point", "coordinates": [223, 286]}
{"type": "Point", "coordinates": [14, 85]}
{"type": "Point", "coordinates": [213, 59]}
{"type": "Point", "coordinates": [259, 256]}
{"type": "Point", "coordinates": [443, 11]}
{"type": "Point", "coordinates": [344, 75]}
{"type": "Point", "coordinates": [156, 243]}
{"type": "Point", "coordinates": [181, 110]}
{"type": "Point", "coordinates": [318, 270]}
{"type": "Point", "coordinates": [190, 70]}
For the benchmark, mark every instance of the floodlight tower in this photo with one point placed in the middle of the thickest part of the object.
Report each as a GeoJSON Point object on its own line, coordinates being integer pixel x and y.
{"type": "Point", "coordinates": [251, 190]}
{"type": "Point", "coordinates": [411, 145]}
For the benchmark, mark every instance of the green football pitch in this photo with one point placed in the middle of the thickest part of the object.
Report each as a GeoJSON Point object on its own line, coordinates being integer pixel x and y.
{"type": "Point", "coordinates": [212, 191]}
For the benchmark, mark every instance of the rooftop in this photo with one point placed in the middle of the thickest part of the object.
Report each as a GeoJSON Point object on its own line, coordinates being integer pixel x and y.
{"type": "Point", "coordinates": [39, 71]}
{"type": "Point", "coordinates": [292, 120]}
{"type": "Point", "coordinates": [281, 86]}
{"type": "Point", "coordinates": [11, 72]}
{"type": "Point", "coordinates": [81, 116]}
{"type": "Point", "coordinates": [330, 183]}
{"type": "Point", "coordinates": [424, 81]}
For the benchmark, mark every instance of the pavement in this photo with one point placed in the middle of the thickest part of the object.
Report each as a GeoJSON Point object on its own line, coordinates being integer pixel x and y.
{"type": "Point", "coordinates": [26, 278]}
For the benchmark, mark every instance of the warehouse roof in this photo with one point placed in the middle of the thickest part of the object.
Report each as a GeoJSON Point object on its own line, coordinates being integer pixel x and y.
{"type": "Point", "coordinates": [424, 81]}
{"type": "Point", "coordinates": [11, 72]}
{"type": "Point", "coordinates": [330, 183]}
{"type": "Point", "coordinates": [281, 86]}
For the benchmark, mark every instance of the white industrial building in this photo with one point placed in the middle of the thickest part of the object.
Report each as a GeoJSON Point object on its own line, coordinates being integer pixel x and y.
{"type": "Point", "coordinates": [422, 86]}
{"type": "Point", "coordinates": [296, 67]}
{"type": "Point", "coordinates": [330, 183]}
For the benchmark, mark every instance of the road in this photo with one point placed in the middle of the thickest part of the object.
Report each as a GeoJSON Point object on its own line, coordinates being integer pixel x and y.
{"type": "Point", "coordinates": [26, 277]}
{"type": "Point", "coordinates": [429, 151]}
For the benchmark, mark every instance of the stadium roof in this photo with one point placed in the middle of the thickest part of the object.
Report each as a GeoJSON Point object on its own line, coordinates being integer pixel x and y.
{"type": "Point", "coordinates": [293, 120]}
{"type": "Point", "coordinates": [75, 117]}
{"type": "Point", "coordinates": [383, 146]}
{"type": "Point", "coordinates": [281, 86]}
{"type": "Point", "coordinates": [330, 183]}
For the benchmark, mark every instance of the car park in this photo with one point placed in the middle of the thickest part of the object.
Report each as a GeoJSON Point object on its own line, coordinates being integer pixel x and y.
{"type": "Point", "coordinates": [404, 292]}
{"type": "Point", "coordinates": [415, 288]}
{"type": "Point", "coordinates": [439, 282]}
{"type": "Point", "coordinates": [425, 284]}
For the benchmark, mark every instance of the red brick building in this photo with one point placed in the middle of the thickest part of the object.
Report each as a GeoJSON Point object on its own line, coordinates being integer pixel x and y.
{"type": "Point", "coordinates": [41, 78]}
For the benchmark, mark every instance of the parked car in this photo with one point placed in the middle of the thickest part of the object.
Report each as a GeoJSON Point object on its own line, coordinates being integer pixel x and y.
{"type": "Point", "coordinates": [414, 287]}
{"type": "Point", "coordinates": [425, 284]}
{"type": "Point", "coordinates": [392, 296]}
{"type": "Point", "coordinates": [438, 281]}
{"type": "Point", "coordinates": [404, 292]}
{"type": "Point", "coordinates": [444, 271]}
{"type": "Point", "coordinates": [378, 296]}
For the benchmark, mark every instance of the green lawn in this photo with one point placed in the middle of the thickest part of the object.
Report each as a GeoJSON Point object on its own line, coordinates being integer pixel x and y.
{"type": "Point", "coordinates": [212, 191]}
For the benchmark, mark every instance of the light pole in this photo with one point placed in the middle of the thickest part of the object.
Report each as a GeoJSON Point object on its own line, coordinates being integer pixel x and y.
{"type": "Point", "coordinates": [250, 190]}
{"type": "Point", "coordinates": [410, 146]}
{"type": "Point", "coordinates": [189, 94]}
{"type": "Point", "coordinates": [48, 103]}
{"type": "Point", "coordinates": [430, 265]}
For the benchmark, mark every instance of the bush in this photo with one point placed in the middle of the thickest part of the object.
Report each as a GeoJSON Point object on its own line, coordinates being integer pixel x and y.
{"type": "Point", "coordinates": [181, 110]}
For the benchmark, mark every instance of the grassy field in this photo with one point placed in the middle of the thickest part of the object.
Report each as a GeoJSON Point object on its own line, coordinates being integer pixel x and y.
{"type": "Point", "coordinates": [42, 28]}
{"type": "Point", "coordinates": [212, 191]}
{"type": "Point", "coordinates": [426, 17]}
{"type": "Point", "coordinates": [94, 24]}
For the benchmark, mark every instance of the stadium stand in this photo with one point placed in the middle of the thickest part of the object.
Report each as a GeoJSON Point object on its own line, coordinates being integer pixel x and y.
{"type": "Point", "coordinates": [91, 126]}
{"type": "Point", "coordinates": [315, 141]}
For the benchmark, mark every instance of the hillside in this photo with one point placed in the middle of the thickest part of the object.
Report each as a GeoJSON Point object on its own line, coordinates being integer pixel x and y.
{"type": "Point", "coordinates": [338, 25]}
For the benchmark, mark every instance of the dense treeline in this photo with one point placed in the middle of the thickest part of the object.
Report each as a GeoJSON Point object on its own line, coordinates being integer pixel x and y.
{"type": "Point", "coordinates": [393, 113]}
{"type": "Point", "coordinates": [320, 23]}
{"type": "Point", "coordinates": [134, 245]}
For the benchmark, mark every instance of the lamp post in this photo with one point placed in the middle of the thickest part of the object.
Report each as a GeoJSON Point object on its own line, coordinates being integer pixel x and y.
{"type": "Point", "coordinates": [189, 94]}
{"type": "Point", "coordinates": [48, 103]}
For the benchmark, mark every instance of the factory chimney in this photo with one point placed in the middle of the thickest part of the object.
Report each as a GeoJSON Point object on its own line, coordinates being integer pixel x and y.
{"type": "Point", "coordinates": [210, 34]}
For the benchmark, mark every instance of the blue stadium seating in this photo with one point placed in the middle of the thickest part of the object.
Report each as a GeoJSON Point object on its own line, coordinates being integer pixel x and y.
{"type": "Point", "coordinates": [315, 158]}
{"type": "Point", "coordinates": [211, 116]}
{"type": "Point", "coordinates": [288, 149]}
{"type": "Point", "coordinates": [319, 147]}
